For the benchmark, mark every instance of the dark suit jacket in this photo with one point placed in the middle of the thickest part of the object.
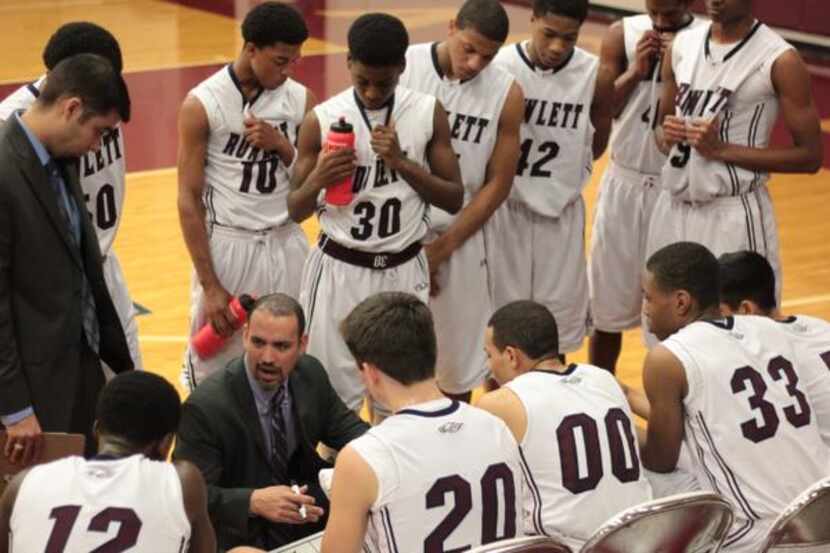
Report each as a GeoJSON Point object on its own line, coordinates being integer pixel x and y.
{"type": "Point", "coordinates": [40, 288]}
{"type": "Point", "coordinates": [221, 433]}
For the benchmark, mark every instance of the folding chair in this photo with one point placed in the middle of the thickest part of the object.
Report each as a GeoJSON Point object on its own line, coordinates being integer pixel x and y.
{"type": "Point", "coordinates": [527, 544]}
{"type": "Point", "coordinates": [55, 446]}
{"type": "Point", "coordinates": [804, 526]}
{"type": "Point", "coordinates": [695, 522]}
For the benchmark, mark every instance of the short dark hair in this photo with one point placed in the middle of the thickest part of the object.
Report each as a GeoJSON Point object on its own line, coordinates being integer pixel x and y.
{"type": "Point", "coordinates": [747, 275]}
{"type": "Point", "coordinates": [91, 78]}
{"type": "Point", "coordinates": [281, 305]}
{"type": "Point", "coordinates": [485, 16]}
{"type": "Point", "coordinates": [139, 407]}
{"type": "Point", "coordinates": [528, 326]}
{"type": "Point", "coordinates": [687, 266]}
{"type": "Point", "coordinates": [273, 22]}
{"type": "Point", "coordinates": [82, 37]}
{"type": "Point", "coordinates": [575, 9]}
{"type": "Point", "coordinates": [394, 332]}
{"type": "Point", "coordinates": [378, 40]}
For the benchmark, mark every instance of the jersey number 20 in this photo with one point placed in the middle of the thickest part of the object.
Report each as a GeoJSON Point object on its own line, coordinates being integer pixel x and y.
{"type": "Point", "coordinates": [462, 495]}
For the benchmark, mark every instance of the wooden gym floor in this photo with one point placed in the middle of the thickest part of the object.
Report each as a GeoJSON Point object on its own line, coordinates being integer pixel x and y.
{"type": "Point", "coordinates": [169, 47]}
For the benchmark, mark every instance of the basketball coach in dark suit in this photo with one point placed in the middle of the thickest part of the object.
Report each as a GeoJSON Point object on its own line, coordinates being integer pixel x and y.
{"type": "Point", "coordinates": [57, 320]}
{"type": "Point", "coordinates": [253, 429]}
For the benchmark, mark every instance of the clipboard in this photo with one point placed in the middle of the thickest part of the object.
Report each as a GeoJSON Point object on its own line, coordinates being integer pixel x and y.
{"type": "Point", "coordinates": [56, 445]}
{"type": "Point", "coordinates": [310, 544]}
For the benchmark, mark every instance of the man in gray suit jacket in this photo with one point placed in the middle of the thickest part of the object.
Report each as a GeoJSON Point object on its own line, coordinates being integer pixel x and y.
{"type": "Point", "coordinates": [253, 429]}
{"type": "Point", "coordinates": [57, 320]}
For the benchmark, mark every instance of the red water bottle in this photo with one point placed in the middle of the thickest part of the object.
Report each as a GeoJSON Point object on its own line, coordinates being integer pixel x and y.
{"type": "Point", "coordinates": [341, 135]}
{"type": "Point", "coordinates": [207, 342]}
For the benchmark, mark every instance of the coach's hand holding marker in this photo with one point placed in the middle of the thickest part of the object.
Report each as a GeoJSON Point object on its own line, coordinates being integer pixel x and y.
{"type": "Point", "coordinates": [296, 489]}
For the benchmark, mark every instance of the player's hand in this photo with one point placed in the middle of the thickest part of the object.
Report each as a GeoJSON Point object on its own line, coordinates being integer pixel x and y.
{"type": "Point", "coordinates": [264, 136]}
{"type": "Point", "coordinates": [674, 130]}
{"type": "Point", "coordinates": [385, 143]}
{"type": "Point", "coordinates": [218, 312]}
{"type": "Point", "coordinates": [646, 53]}
{"type": "Point", "coordinates": [704, 136]}
{"type": "Point", "coordinates": [24, 441]}
{"type": "Point", "coordinates": [334, 165]}
{"type": "Point", "coordinates": [280, 504]}
{"type": "Point", "coordinates": [438, 252]}
{"type": "Point", "coordinates": [666, 40]}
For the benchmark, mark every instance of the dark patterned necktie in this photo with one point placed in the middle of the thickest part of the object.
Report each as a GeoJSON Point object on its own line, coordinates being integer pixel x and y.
{"type": "Point", "coordinates": [88, 311]}
{"type": "Point", "coordinates": [279, 443]}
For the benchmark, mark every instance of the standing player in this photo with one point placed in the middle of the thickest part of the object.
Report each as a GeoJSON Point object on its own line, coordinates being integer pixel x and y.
{"type": "Point", "coordinates": [547, 405]}
{"type": "Point", "coordinates": [236, 136]}
{"type": "Point", "coordinates": [485, 108]}
{"type": "Point", "coordinates": [630, 54]}
{"type": "Point", "coordinates": [724, 83]}
{"type": "Point", "coordinates": [537, 236]}
{"type": "Point", "coordinates": [438, 475]}
{"type": "Point", "coordinates": [747, 287]}
{"type": "Point", "coordinates": [127, 496]}
{"type": "Point", "coordinates": [402, 163]}
{"type": "Point", "coordinates": [102, 172]}
{"type": "Point", "coordinates": [733, 383]}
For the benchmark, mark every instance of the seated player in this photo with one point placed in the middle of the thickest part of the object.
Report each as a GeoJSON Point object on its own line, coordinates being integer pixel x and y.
{"type": "Point", "coordinates": [127, 496]}
{"type": "Point", "coordinates": [561, 414]}
{"type": "Point", "coordinates": [747, 287]}
{"type": "Point", "coordinates": [728, 387]}
{"type": "Point", "coordinates": [438, 475]}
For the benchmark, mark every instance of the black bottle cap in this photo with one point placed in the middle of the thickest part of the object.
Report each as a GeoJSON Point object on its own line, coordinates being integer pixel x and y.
{"type": "Point", "coordinates": [341, 126]}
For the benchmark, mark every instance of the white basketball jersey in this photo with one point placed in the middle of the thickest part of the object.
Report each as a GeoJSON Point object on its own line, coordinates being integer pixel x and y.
{"type": "Point", "coordinates": [474, 108]}
{"type": "Point", "coordinates": [102, 172]}
{"type": "Point", "coordinates": [448, 477]}
{"type": "Point", "coordinates": [632, 141]}
{"type": "Point", "coordinates": [246, 187]}
{"type": "Point", "coordinates": [125, 504]}
{"type": "Point", "coordinates": [579, 452]}
{"type": "Point", "coordinates": [749, 422]}
{"type": "Point", "coordinates": [811, 338]}
{"type": "Point", "coordinates": [557, 133]}
{"type": "Point", "coordinates": [386, 214]}
{"type": "Point", "coordinates": [734, 83]}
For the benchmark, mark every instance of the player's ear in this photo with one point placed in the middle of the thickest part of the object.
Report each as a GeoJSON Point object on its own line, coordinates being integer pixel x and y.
{"type": "Point", "coordinates": [748, 307]}
{"type": "Point", "coordinates": [683, 302]}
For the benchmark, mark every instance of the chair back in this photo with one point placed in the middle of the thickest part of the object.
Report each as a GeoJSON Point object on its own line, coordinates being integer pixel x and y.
{"type": "Point", "coordinates": [56, 445]}
{"type": "Point", "coordinates": [526, 544]}
{"type": "Point", "coordinates": [694, 522]}
{"type": "Point", "coordinates": [804, 526]}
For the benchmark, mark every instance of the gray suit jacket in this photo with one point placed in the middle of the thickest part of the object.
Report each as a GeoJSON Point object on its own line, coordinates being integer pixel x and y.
{"type": "Point", "coordinates": [40, 288]}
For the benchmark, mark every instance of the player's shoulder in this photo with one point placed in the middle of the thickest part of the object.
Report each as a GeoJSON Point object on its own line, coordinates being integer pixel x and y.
{"type": "Point", "coordinates": [805, 325]}
{"type": "Point", "coordinates": [582, 60]}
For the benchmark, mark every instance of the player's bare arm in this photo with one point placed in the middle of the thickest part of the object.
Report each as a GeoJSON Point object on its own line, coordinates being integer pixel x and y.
{"type": "Point", "coordinates": [507, 406]}
{"type": "Point", "coordinates": [193, 138]}
{"type": "Point", "coordinates": [501, 168]}
{"type": "Point", "coordinates": [354, 490]}
{"type": "Point", "coordinates": [792, 85]}
{"type": "Point", "coordinates": [441, 184]}
{"type": "Point", "coordinates": [665, 383]}
{"type": "Point", "coordinates": [602, 110]}
{"type": "Point", "coordinates": [194, 495]}
{"type": "Point", "coordinates": [613, 62]}
{"type": "Point", "coordinates": [672, 129]}
{"type": "Point", "coordinates": [314, 169]}
{"type": "Point", "coordinates": [6, 506]}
